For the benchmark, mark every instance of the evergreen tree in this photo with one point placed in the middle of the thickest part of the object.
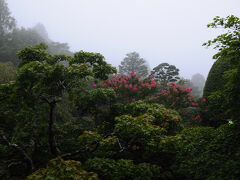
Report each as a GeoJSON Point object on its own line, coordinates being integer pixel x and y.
{"type": "Point", "coordinates": [134, 63]}
{"type": "Point", "coordinates": [7, 22]}
{"type": "Point", "coordinates": [165, 73]}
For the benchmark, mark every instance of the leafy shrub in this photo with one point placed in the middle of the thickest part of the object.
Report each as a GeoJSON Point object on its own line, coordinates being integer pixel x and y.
{"type": "Point", "coordinates": [60, 169]}
{"type": "Point", "coordinates": [141, 127]}
{"type": "Point", "coordinates": [133, 136]}
{"type": "Point", "coordinates": [96, 99]}
{"type": "Point", "coordinates": [206, 153]}
{"type": "Point", "coordinates": [89, 139]}
{"type": "Point", "coordinates": [162, 151]}
{"type": "Point", "coordinates": [214, 80]}
{"type": "Point", "coordinates": [175, 97]}
{"type": "Point", "coordinates": [178, 98]}
{"type": "Point", "coordinates": [213, 93]}
{"type": "Point", "coordinates": [163, 117]}
{"type": "Point", "coordinates": [110, 169]}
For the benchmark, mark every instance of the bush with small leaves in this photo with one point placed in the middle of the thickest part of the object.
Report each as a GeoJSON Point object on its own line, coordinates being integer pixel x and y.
{"type": "Point", "coordinates": [60, 169]}
{"type": "Point", "coordinates": [166, 118]}
{"type": "Point", "coordinates": [206, 153]}
{"type": "Point", "coordinates": [110, 169]}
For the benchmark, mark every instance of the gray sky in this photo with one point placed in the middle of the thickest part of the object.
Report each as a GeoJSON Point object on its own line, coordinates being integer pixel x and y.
{"type": "Point", "coordinates": [169, 31]}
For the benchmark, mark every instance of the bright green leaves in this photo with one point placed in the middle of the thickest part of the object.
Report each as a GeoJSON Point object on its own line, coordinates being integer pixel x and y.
{"type": "Point", "coordinates": [130, 128]}
{"type": "Point", "coordinates": [231, 21]}
{"type": "Point", "coordinates": [50, 80]}
{"type": "Point", "coordinates": [58, 58]}
{"type": "Point", "coordinates": [87, 57]}
{"type": "Point", "coordinates": [163, 117]}
{"type": "Point", "coordinates": [148, 125]}
{"type": "Point", "coordinates": [47, 75]}
{"type": "Point", "coordinates": [96, 63]}
{"type": "Point", "coordinates": [134, 134]}
{"type": "Point", "coordinates": [33, 53]}
{"type": "Point", "coordinates": [228, 45]}
{"type": "Point", "coordinates": [60, 169]}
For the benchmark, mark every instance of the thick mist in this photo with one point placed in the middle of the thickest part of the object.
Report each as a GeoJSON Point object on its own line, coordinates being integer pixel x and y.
{"type": "Point", "coordinates": [160, 31]}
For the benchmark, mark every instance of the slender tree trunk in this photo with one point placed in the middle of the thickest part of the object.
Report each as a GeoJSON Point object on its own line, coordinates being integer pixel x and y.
{"type": "Point", "coordinates": [50, 130]}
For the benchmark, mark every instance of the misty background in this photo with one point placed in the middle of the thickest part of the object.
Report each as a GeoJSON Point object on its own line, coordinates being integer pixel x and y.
{"type": "Point", "coordinates": [160, 31]}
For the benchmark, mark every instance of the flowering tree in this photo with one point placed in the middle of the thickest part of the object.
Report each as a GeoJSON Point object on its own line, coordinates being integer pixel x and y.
{"type": "Point", "coordinates": [179, 98]}
{"type": "Point", "coordinates": [133, 63]}
{"type": "Point", "coordinates": [130, 87]}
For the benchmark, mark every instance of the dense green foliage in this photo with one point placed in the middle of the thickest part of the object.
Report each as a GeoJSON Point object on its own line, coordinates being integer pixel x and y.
{"type": "Point", "coordinates": [60, 169]}
{"type": "Point", "coordinates": [28, 104]}
{"type": "Point", "coordinates": [73, 117]}
{"type": "Point", "coordinates": [125, 169]}
{"type": "Point", "coordinates": [205, 153]}
{"type": "Point", "coordinates": [227, 45]}
{"type": "Point", "coordinates": [212, 91]}
{"type": "Point", "coordinates": [215, 78]}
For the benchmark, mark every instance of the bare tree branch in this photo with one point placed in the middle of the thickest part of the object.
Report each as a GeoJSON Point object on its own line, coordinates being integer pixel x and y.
{"type": "Point", "coordinates": [18, 148]}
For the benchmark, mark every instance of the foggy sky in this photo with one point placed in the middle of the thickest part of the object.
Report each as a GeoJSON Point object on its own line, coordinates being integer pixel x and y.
{"type": "Point", "coordinates": [169, 31]}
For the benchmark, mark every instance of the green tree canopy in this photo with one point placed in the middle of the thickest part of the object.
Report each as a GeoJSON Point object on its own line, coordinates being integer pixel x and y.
{"type": "Point", "coordinates": [214, 80]}
{"type": "Point", "coordinates": [60, 169]}
{"type": "Point", "coordinates": [165, 73]}
{"type": "Point", "coordinates": [7, 22]}
{"type": "Point", "coordinates": [42, 83]}
{"type": "Point", "coordinates": [228, 46]}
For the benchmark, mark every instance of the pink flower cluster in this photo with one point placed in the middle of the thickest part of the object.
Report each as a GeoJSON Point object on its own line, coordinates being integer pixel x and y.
{"type": "Point", "coordinates": [197, 117]}
{"type": "Point", "coordinates": [176, 97]}
{"type": "Point", "coordinates": [194, 104]}
{"type": "Point", "coordinates": [177, 88]}
{"type": "Point", "coordinates": [177, 92]}
{"type": "Point", "coordinates": [131, 82]}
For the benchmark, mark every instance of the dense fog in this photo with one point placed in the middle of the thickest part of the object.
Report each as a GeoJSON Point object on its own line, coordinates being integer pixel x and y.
{"type": "Point", "coordinates": [160, 31]}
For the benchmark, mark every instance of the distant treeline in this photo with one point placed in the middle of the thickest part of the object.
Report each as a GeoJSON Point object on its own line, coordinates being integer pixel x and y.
{"type": "Point", "coordinates": [13, 38]}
